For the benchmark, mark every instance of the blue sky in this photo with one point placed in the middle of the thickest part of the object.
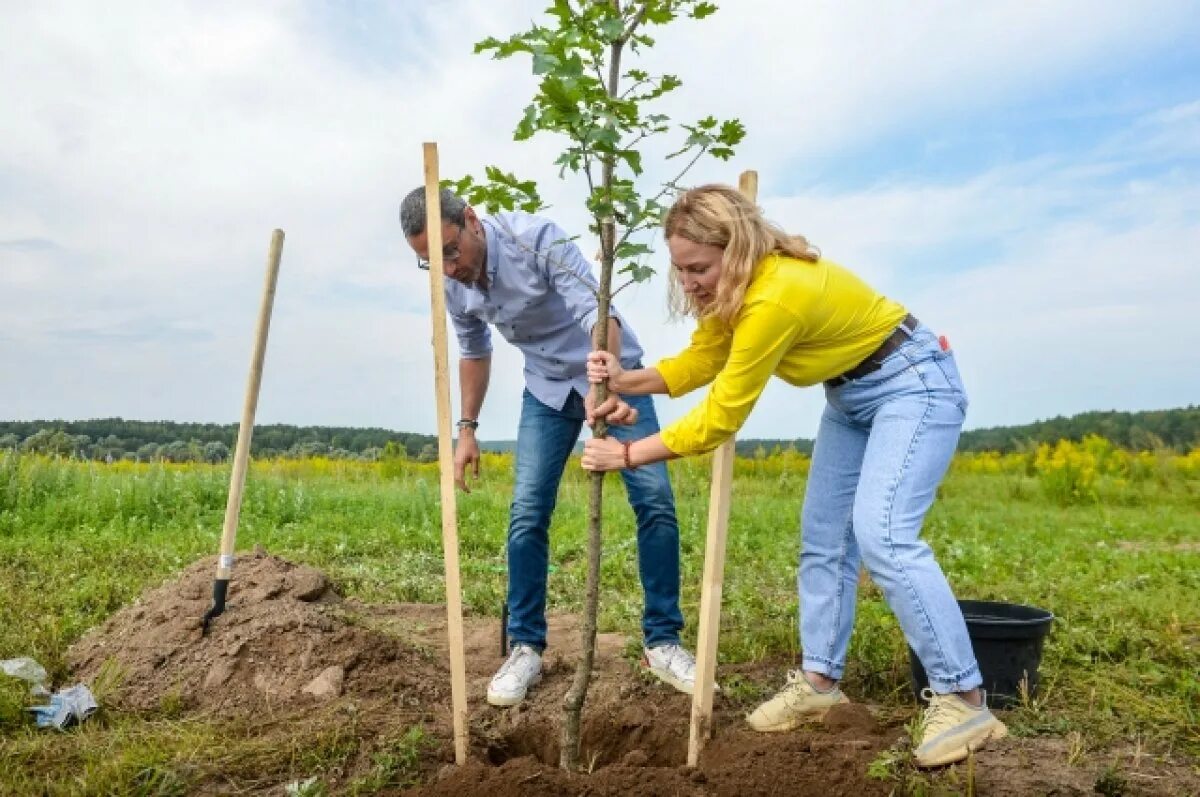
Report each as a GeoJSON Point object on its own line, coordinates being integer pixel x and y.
{"type": "Point", "coordinates": [1022, 176]}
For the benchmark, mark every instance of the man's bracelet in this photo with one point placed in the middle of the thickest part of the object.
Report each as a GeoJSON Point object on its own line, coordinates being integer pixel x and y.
{"type": "Point", "coordinates": [628, 462]}
{"type": "Point", "coordinates": [467, 423]}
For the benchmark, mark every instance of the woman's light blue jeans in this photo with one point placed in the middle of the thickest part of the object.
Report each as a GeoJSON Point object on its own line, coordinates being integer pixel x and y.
{"type": "Point", "coordinates": [545, 439]}
{"type": "Point", "coordinates": [883, 446]}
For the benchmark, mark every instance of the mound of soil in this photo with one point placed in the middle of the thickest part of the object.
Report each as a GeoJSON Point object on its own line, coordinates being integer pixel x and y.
{"type": "Point", "coordinates": [286, 638]}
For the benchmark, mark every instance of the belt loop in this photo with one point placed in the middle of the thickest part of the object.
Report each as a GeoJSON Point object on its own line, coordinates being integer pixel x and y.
{"type": "Point", "coordinates": [910, 319]}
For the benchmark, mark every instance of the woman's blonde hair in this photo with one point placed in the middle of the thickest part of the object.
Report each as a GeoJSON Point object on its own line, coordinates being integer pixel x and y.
{"type": "Point", "coordinates": [720, 215]}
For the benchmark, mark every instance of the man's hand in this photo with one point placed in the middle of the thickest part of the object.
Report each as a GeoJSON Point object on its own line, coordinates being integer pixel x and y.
{"type": "Point", "coordinates": [466, 454]}
{"type": "Point", "coordinates": [613, 410]}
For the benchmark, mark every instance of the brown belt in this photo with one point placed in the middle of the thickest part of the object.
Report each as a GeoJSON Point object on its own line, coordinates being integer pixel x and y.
{"type": "Point", "coordinates": [874, 360]}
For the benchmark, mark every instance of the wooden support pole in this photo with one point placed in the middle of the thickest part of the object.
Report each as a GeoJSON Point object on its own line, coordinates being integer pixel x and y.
{"type": "Point", "coordinates": [714, 572]}
{"type": "Point", "coordinates": [454, 617]}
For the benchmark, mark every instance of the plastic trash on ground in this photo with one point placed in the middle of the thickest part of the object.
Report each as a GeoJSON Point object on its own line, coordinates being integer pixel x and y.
{"type": "Point", "coordinates": [26, 669]}
{"type": "Point", "coordinates": [66, 706]}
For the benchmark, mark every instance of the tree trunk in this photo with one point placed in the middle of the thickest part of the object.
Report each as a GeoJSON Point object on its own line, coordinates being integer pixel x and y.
{"type": "Point", "coordinates": [573, 702]}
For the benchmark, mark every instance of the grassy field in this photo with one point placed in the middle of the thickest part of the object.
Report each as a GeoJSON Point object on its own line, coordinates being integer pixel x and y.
{"type": "Point", "coordinates": [1107, 540]}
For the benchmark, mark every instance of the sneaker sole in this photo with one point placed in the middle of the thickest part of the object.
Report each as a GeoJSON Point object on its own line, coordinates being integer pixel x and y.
{"type": "Point", "coordinates": [505, 701]}
{"type": "Point", "coordinates": [803, 719]}
{"type": "Point", "coordinates": [997, 731]}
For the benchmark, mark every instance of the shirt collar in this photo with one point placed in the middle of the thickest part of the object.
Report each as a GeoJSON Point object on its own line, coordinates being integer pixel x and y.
{"type": "Point", "coordinates": [493, 249]}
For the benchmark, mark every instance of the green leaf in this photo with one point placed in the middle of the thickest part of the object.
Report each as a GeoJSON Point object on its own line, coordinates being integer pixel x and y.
{"type": "Point", "coordinates": [560, 94]}
{"type": "Point", "coordinates": [543, 62]}
{"type": "Point", "coordinates": [633, 158]}
{"type": "Point", "coordinates": [562, 10]}
{"type": "Point", "coordinates": [502, 191]}
{"type": "Point", "coordinates": [611, 29]}
{"type": "Point", "coordinates": [572, 66]}
{"type": "Point", "coordinates": [638, 271]}
{"type": "Point", "coordinates": [604, 138]}
{"type": "Point", "coordinates": [630, 251]}
{"type": "Point", "coordinates": [490, 43]}
{"type": "Point", "coordinates": [460, 186]}
{"type": "Point", "coordinates": [732, 132]}
{"type": "Point", "coordinates": [528, 124]}
{"type": "Point", "coordinates": [659, 13]}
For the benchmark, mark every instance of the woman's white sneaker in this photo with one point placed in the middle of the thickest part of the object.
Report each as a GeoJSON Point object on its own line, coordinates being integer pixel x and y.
{"type": "Point", "coordinates": [796, 703]}
{"type": "Point", "coordinates": [951, 729]}
{"type": "Point", "coordinates": [521, 670]}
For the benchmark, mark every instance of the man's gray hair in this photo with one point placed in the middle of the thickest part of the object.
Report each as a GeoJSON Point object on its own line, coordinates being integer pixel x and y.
{"type": "Point", "coordinates": [412, 211]}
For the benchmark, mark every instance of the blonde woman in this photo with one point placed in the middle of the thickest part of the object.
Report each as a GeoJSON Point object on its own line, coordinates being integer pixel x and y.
{"type": "Point", "coordinates": [769, 305]}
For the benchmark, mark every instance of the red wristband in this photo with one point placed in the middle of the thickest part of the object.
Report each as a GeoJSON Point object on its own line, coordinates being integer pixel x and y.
{"type": "Point", "coordinates": [628, 462]}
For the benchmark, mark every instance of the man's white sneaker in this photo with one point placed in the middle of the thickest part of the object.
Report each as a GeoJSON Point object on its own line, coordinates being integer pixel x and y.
{"type": "Point", "coordinates": [521, 670]}
{"type": "Point", "coordinates": [674, 665]}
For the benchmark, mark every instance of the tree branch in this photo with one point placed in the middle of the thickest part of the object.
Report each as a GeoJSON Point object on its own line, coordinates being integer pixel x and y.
{"type": "Point", "coordinates": [637, 20]}
{"type": "Point", "coordinates": [643, 134]}
{"type": "Point", "coordinates": [629, 231]}
{"type": "Point", "coordinates": [594, 289]}
{"type": "Point", "coordinates": [672, 183]}
{"type": "Point", "coordinates": [633, 87]}
{"type": "Point", "coordinates": [623, 287]}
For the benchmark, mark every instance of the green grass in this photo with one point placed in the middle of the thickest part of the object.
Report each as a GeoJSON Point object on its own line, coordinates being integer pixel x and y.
{"type": "Point", "coordinates": [1120, 570]}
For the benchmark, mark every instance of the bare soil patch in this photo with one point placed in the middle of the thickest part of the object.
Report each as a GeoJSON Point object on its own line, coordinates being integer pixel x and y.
{"type": "Point", "coordinates": [286, 640]}
{"type": "Point", "coordinates": [289, 644]}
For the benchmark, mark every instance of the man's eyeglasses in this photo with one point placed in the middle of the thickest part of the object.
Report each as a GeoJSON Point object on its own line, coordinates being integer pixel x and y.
{"type": "Point", "coordinates": [450, 252]}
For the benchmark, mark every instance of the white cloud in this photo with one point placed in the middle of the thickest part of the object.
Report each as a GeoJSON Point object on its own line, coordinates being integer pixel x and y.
{"type": "Point", "coordinates": [812, 80]}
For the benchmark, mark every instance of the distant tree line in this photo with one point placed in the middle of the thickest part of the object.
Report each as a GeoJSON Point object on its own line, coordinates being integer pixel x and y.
{"type": "Point", "coordinates": [1177, 429]}
{"type": "Point", "coordinates": [110, 439]}
{"type": "Point", "coordinates": [753, 447]}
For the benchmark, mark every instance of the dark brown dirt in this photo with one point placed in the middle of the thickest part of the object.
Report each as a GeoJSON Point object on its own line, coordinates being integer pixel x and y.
{"type": "Point", "coordinates": [286, 629]}
{"type": "Point", "coordinates": [637, 744]}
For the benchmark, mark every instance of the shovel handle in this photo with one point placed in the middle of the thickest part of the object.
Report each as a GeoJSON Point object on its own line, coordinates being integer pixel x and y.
{"type": "Point", "coordinates": [241, 457]}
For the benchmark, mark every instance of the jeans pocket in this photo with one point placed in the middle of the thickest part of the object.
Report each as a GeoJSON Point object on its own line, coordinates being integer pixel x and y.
{"type": "Point", "coordinates": [949, 368]}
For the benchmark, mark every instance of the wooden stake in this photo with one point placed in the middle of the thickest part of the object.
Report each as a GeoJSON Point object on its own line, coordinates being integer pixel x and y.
{"type": "Point", "coordinates": [714, 572]}
{"type": "Point", "coordinates": [454, 618]}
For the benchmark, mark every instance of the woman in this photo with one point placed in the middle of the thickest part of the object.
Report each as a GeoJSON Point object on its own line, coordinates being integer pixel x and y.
{"type": "Point", "coordinates": [769, 305]}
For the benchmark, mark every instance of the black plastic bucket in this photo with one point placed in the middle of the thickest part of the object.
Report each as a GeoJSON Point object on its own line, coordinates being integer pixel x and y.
{"type": "Point", "coordinates": [1007, 639]}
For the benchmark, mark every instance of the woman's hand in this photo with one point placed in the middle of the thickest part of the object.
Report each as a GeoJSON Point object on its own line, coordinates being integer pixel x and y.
{"type": "Point", "coordinates": [603, 365]}
{"type": "Point", "coordinates": [603, 454]}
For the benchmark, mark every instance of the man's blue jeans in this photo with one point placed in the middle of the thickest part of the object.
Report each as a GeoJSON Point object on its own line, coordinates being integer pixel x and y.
{"type": "Point", "coordinates": [884, 444]}
{"type": "Point", "coordinates": [544, 441]}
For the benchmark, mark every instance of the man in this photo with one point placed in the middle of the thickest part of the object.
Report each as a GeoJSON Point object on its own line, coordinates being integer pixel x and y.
{"type": "Point", "coordinates": [519, 273]}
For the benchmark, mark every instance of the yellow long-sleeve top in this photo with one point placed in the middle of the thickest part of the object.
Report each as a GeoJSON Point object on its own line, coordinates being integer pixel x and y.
{"type": "Point", "coordinates": [804, 322]}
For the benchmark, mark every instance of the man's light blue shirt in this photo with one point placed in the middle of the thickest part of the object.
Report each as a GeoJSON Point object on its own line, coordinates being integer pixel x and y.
{"type": "Point", "coordinates": [540, 298]}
